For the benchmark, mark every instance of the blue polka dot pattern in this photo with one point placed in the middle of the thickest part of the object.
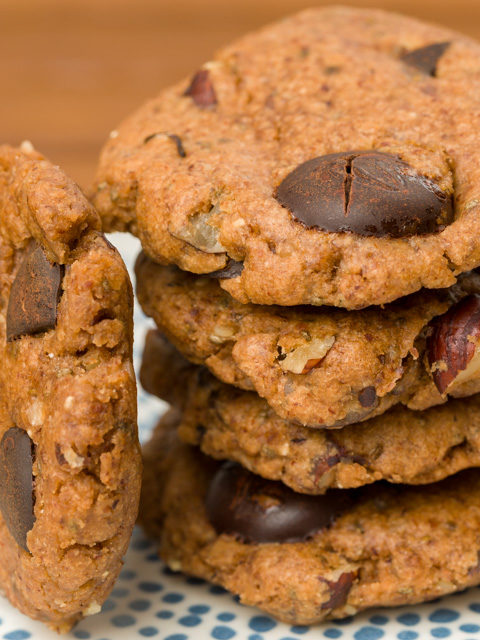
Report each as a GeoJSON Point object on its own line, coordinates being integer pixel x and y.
{"type": "Point", "coordinates": [223, 633]}
{"type": "Point", "coordinates": [409, 619]}
{"type": "Point", "coordinates": [199, 609]}
{"type": "Point", "coordinates": [299, 629]}
{"type": "Point", "coordinates": [440, 632]}
{"type": "Point", "coordinates": [190, 621]}
{"type": "Point", "coordinates": [407, 635]}
{"type": "Point", "coordinates": [148, 632]}
{"type": "Point", "coordinates": [165, 615]}
{"type": "Point", "coordinates": [173, 598]}
{"type": "Point", "coordinates": [444, 615]}
{"type": "Point", "coordinates": [123, 620]}
{"type": "Point", "coordinates": [333, 633]}
{"type": "Point", "coordinates": [150, 587]}
{"type": "Point", "coordinates": [226, 616]}
{"type": "Point", "coordinates": [469, 628]}
{"type": "Point", "coordinates": [368, 633]}
{"type": "Point", "coordinates": [19, 634]}
{"type": "Point", "coordinates": [261, 623]}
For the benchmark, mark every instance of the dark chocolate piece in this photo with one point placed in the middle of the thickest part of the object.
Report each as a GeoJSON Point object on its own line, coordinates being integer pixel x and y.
{"type": "Point", "coordinates": [201, 89]}
{"type": "Point", "coordinates": [34, 296]}
{"type": "Point", "coordinates": [258, 510]}
{"type": "Point", "coordinates": [367, 397]}
{"type": "Point", "coordinates": [232, 270]}
{"type": "Point", "coordinates": [16, 483]}
{"type": "Point", "coordinates": [365, 192]}
{"type": "Point", "coordinates": [426, 58]}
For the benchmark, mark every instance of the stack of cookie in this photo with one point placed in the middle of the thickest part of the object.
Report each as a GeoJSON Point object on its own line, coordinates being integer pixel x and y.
{"type": "Point", "coordinates": [309, 210]}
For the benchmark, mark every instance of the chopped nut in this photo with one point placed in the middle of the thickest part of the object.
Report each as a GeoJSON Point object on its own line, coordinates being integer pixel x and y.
{"type": "Point", "coordinates": [453, 347]}
{"type": "Point", "coordinates": [35, 413]}
{"type": "Point", "coordinates": [222, 334]}
{"type": "Point", "coordinates": [27, 147]}
{"type": "Point", "coordinates": [174, 565]}
{"type": "Point", "coordinates": [307, 356]}
{"type": "Point", "coordinates": [201, 234]}
{"type": "Point", "coordinates": [92, 609]}
{"type": "Point", "coordinates": [73, 459]}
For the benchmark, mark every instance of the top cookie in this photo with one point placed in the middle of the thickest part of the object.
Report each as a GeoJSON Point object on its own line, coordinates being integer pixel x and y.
{"type": "Point", "coordinates": [69, 456]}
{"type": "Point", "coordinates": [331, 158]}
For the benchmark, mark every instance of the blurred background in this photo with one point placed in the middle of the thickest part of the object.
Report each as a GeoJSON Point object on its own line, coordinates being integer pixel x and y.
{"type": "Point", "coordinates": [70, 70]}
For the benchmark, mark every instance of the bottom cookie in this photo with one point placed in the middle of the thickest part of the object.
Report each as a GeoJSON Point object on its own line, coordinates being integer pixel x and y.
{"type": "Point", "coordinates": [302, 558]}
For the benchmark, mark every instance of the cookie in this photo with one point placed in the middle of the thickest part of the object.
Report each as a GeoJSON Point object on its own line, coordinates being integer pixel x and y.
{"type": "Point", "coordinates": [400, 446]}
{"type": "Point", "coordinates": [302, 558]}
{"type": "Point", "coordinates": [70, 465]}
{"type": "Point", "coordinates": [323, 367]}
{"type": "Point", "coordinates": [328, 159]}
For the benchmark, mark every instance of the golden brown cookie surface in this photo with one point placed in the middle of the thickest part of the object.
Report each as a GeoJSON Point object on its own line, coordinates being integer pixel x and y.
{"type": "Point", "coordinates": [330, 158]}
{"type": "Point", "coordinates": [323, 367]}
{"type": "Point", "coordinates": [69, 454]}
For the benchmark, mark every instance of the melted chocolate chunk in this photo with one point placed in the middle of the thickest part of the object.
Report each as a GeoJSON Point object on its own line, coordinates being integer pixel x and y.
{"type": "Point", "coordinates": [201, 89]}
{"type": "Point", "coordinates": [16, 484]}
{"type": "Point", "coordinates": [365, 192]}
{"type": "Point", "coordinates": [232, 270]}
{"type": "Point", "coordinates": [258, 510]}
{"type": "Point", "coordinates": [426, 58]}
{"type": "Point", "coordinates": [34, 296]}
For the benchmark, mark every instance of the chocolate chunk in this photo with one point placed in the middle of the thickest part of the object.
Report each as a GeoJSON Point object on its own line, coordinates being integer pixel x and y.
{"type": "Point", "coordinates": [339, 590]}
{"type": "Point", "coordinates": [178, 142]}
{"type": "Point", "coordinates": [34, 296]}
{"type": "Point", "coordinates": [367, 397]}
{"type": "Point", "coordinates": [173, 137]}
{"type": "Point", "coordinates": [232, 270]}
{"type": "Point", "coordinates": [16, 483]}
{"type": "Point", "coordinates": [364, 192]}
{"type": "Point", "coordinates": [258, 510]}
{"type": "Point", "coordinates": [426, 58]}
{"type": "Point", "coordinates": [201, 89]}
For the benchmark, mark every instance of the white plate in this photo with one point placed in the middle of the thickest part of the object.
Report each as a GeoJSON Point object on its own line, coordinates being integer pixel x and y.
{"type": "Point", "coordinates": [149, 601]}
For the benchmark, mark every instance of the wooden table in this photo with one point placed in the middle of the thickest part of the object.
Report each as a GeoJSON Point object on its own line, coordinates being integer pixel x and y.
{"type": "Point", "coordinates": [70, 70]}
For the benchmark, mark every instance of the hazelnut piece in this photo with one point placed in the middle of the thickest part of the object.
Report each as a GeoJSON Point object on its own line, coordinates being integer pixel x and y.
{"type": "Point", "coordinates": [453, 348]}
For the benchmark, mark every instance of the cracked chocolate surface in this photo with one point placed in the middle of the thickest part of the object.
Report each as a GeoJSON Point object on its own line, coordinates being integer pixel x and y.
{"type": "Point", "coordinates": [368, 193]}
{"type": "Point", "coordinates": [320, 84]}
{"type": "Point", "coordinates": [395, 545]}
{"type": "Point", "coordinates": [69, 453]}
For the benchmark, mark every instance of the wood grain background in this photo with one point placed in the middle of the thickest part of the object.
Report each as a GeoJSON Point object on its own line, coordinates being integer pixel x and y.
{"type": "Point", "coordinates": [70, 70]}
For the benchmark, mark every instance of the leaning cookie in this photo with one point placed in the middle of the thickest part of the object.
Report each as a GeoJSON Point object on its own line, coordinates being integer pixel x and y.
{"type": "Point", "coordinates": [70, 464]}
{"type": "Point", "coordinates": [326, 159]}
{"type": "Point", "coordinates": [400, 446]}
{"type": "Point", "coordinates": [323, 367]}
{"type": "Point", "coordinates": [307, 558]}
